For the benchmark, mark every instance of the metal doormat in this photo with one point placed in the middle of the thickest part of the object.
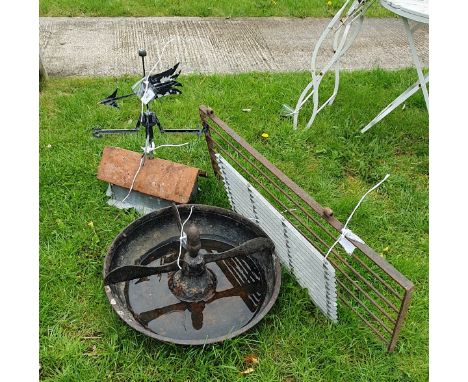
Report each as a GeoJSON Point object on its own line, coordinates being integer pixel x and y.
{"type": "Point", "coordinates": [367, 285]}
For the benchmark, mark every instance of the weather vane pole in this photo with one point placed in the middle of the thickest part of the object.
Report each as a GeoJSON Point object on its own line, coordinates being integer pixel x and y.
{"type": "Point", "coordinates": [142, 54]}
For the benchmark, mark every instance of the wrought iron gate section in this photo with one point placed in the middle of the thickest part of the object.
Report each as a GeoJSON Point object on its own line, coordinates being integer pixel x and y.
{"type": "Point", "coordinates": [368, 285]}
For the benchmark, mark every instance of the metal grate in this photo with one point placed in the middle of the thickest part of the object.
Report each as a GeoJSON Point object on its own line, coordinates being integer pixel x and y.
{"type": "Point", "coordinates": [368, 285]}
{"type": "Point", "coordinates": [296, 253]}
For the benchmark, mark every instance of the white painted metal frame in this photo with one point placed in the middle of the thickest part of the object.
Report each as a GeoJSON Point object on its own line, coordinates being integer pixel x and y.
{"type": "Point", "coordinates": [417, 11]}
{"type": "Point", "coordinates": [342, 40]}
{"type": "Point", "coordinates": [311, 269]}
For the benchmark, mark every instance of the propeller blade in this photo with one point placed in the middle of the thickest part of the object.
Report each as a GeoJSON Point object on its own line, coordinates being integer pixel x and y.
{"type": "Point", "coordinates": [131, 272]}
{"type": "Point", "coordinates": [257, 245]}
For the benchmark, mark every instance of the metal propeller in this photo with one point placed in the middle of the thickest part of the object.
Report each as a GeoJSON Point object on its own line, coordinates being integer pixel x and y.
{"type": "Point", "coordinates": [131, 272]}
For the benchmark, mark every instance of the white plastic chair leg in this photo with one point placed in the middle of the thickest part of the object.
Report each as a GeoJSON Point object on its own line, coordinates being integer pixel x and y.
{"type": "Point", "coordinates": [302, 99]}
{"type": "Point", "coordinates": [351, 39]}
{"type": "Point", "coordinates": [421, 83]}
{"type": "Point", "coordinates": [304, 95]}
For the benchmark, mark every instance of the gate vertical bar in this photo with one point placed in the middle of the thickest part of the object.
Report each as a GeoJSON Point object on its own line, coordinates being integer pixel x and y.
{"type": "Point", "coordinates": [209, 141]}
{"type": "Point", "coordinates": [401, 317]}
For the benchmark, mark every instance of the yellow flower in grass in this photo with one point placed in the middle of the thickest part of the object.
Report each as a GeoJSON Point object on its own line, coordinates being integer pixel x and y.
{"type": "Point", "coordinates": [329, 3]}
{"type": "Point", "coordinates": [265, 135]}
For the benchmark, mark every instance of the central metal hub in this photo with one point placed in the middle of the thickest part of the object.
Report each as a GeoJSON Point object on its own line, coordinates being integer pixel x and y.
{"type": "Point", "coordinates": [193, 282]}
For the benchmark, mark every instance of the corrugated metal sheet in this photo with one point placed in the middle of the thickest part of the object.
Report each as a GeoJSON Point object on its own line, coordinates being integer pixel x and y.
{"type": "Point", "coordinates": [296, 253]}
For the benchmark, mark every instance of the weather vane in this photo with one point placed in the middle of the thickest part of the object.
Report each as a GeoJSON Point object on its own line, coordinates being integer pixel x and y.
{"type": "Point", "coordinates": [147, 89]}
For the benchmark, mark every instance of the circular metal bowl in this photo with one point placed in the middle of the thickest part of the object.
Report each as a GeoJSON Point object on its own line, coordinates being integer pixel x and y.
{"type": "Point", "coordinates": [161, 226]}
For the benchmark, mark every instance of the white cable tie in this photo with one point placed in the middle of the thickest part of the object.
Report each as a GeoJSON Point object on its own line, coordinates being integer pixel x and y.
{"type": "Point", "coordinates": [149, 148]}
{"type": "Point", "coordinates": [345, 243]}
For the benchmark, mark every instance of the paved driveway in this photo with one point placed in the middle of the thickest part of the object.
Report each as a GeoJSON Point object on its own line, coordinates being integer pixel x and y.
{"type": "Point", "coordinates": [107, 46]}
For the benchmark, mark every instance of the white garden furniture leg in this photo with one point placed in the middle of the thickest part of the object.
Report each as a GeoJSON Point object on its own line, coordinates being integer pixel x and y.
{"type": "Point", "coordinates": [397, 102]}
{"type": "Point", "coordinates": [339, 49]}
{"type": "Point", "coordinates": [416, 61]}
{"type": "Point", "coordinates": [421, 83]}
{"type": "Point", "coordinates": [341, 43]}
{"type": "Point", "coordinates": [305, 95]}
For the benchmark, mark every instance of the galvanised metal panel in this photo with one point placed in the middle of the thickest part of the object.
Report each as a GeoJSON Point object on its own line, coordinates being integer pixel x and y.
{"type": "Point", "coordinates": [295, 252]}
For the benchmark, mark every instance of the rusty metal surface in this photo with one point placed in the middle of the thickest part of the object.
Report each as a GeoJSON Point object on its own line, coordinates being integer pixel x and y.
{"type": "Point", "coordinates": [372, 288]}
{"type": "Point", "coordinates": [158, 177]}
{"type": "Point", "coordinates": [134, 242]}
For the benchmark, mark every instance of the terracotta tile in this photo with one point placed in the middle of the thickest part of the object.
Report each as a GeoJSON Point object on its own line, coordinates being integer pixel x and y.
{"type": "Point", "coordinates": [158, 177]}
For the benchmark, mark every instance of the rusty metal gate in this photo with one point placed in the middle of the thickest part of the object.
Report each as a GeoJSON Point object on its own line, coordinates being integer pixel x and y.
{"type": "Point", "coordinates": [367, 284]}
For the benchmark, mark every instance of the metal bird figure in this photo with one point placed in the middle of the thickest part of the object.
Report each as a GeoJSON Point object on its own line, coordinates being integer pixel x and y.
{"type": "Point", "coordinates": [161, 84]}
{"type": "Point", "coordinates": [164, 83]}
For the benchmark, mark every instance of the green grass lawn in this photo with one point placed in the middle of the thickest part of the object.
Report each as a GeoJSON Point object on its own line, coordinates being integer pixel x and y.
{"type": "Point", "coordinates": [222, 8]}
{"type": "Point", "coordinates": [82, 339]}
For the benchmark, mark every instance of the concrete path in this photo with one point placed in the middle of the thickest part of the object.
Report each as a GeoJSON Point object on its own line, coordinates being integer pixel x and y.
{"type": "Point", "coordinates": [108, 45]}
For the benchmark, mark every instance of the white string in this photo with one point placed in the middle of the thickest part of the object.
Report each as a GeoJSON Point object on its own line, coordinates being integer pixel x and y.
{"type": "Point", "coordinates": [147, 150]}
{"type": "Point", "coordinates": [160, 55]}
{"type": "Point", "coordinates": [133, 181]}
{"type": "Point", "coordinates": [183, 236]}
{"type": "Point", "coordinates": [345, 227]}
{"type": "Point", "coordinates": [146, 78]}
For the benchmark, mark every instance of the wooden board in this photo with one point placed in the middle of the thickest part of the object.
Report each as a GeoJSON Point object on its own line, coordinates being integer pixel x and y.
{"type": "Point", "coordinates": [158, 177]}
